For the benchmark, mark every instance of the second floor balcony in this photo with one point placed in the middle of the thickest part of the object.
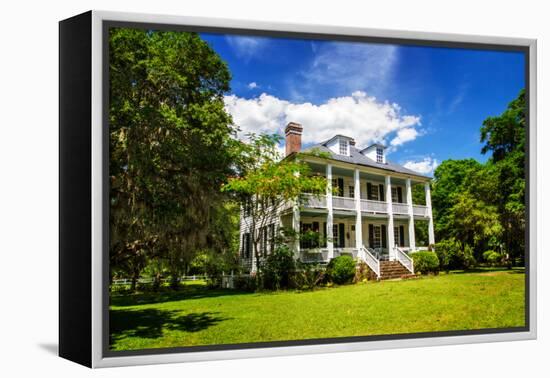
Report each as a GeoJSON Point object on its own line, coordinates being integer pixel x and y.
{"type": "Point", "coordinates": [310, 201]}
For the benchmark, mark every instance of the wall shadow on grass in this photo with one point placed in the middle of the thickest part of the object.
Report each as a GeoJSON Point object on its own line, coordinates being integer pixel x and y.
{"type": "Point", "coordinates": [151, 323]}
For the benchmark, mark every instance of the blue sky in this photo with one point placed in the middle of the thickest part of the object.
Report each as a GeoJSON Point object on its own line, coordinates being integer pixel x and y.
{"type": "Point", "coordinates": [426, 104]}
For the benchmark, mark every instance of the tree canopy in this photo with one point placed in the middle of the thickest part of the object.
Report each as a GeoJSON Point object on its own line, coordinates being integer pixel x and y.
{"type": "Point", "coordinates": [170, 143]}
{"type": "Point", "coordinates": [482, 206]}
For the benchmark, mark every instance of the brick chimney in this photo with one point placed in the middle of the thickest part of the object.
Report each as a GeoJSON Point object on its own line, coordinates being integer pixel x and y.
{"type": "Point", "coordinates": [293, 137]}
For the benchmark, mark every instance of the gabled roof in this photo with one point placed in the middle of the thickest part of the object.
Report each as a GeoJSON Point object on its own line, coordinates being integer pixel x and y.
{"type": "Point", "coordinates": [374, 145]}
{"type": "Point", "coordinates": [336, 137]}
{"type": "Point", "coordinates": [356, 157]}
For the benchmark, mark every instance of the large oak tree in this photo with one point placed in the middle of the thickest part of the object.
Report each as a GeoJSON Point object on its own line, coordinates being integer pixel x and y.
{"type": "Point", "coordinates": [170, 144]}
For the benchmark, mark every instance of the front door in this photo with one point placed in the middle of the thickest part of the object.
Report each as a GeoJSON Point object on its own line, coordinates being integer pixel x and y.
{"type": "Point", "coordinates": [352, 236]}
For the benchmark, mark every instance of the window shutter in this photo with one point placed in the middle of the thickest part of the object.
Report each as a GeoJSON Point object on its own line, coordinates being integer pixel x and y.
{"type": "Point", "coordinates": [315, 243]}
{"type": "Point", "coordinates": [381, 186]}
{"type": "Point", "coordinates": [265, 241]}
{"type": "Point", "coordinates": [272, 237]}
{"type": "Point", "coordinates": [302, 230]}
{"type": "Point", "coordinates": [324, 234]}
{"type": "Point", "coordinates": [401, 236]}
{"type": "Point", "coordinates": [341, 235]}
{"type": "Point", "coordinates": [399, 195]}
{"type": "Point", "coordinates": [384, 237]}
{"type": "Point", "coordinates": [247, 245]}
{"type": "Point", "coordinates": [371, 235]}
{"type": "Point", "coordinates": [369, 190]}
{"type": "Point", "coordinates": [340, 187]}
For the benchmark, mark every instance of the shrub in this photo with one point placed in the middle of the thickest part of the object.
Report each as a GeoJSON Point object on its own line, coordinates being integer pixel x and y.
{"type": "Point", "coordinates": [307, 276]}
{"type": "Point", "coordinates": [341, 269]}
{"type": "Point", "coordinates": [278, 268]}
{"type": "Point", "coordinates": [363, 272]}
{"type": "Point", "coordinates": [453, 255]}
{"type": "Point", "coordinates": [425, 262]}
{"type": "Point", "coordinates": [493, 257]}
{"type": "Point", "coordinates": [245, 283]}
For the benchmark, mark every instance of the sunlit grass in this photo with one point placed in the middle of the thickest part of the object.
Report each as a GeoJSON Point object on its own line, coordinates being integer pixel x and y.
{"type": "Point", "coordinates": [198, 316]}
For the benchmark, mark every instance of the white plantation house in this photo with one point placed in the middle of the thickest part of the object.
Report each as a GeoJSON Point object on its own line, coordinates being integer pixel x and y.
{"type": "Point", "coordinates": [370, 216]}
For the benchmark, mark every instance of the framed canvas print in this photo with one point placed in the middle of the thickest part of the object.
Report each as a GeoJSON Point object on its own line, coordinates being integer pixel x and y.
{"type": "Point", "coordinates": [234, 189]}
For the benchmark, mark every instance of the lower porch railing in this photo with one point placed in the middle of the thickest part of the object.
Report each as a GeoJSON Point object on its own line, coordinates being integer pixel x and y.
{"type": "Point", "coordinates": [404, 259]}
{"type": "Point", "coordinates": [366, 255]}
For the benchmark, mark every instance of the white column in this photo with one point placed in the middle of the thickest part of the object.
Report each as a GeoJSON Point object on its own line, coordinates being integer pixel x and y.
{"type": "Point", "coordinates": [412, 240]}
{"type": "Point", "coordinates": [330, 243]}
{"type": "Point", "coordinates": [358, 218]}
{"type": "Point", "coordinates": [391, 242]}
{"type": "Point", "coordinates": [431, 236]}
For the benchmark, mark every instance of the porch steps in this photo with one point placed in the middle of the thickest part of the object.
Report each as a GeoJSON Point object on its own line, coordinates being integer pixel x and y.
{"type": "Point", "coordinates": [393, 269]}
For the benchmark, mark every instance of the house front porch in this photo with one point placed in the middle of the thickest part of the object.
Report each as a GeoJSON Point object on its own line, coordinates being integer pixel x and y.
{"type": "Point", "coordinates": [345, 239]}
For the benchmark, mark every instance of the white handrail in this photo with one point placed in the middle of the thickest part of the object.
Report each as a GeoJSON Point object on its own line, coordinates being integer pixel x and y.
{"type": "Point", "coordinates": [404, 259]}
{"type": "Point", "coordinates": [370, 260]}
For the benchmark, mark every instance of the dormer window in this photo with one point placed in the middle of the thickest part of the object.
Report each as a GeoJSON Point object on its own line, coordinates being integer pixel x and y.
{"type": "Point", "coordinates": [343, 147]}
{"type": "Point", "coordinates": [379, 155]}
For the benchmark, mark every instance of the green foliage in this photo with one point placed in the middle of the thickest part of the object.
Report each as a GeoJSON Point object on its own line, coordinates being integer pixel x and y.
{"type": "Point", "coordinates": [278, 268]}
{"type": "Point", "coordinates": [170, 144]}
{"type": "Point", "coordinates": [454, 255]}
{"type": "Point", "coordinates": [483, 205]}
{"type": "Point", "coordinates": [308, 276]}
{"type": "Point", "coordinates": [341, 269]}
{"type": "Point", "coordinates": [425, 262]}
{"type": "Point", "coordinates": [493, 257]}
{"type": "Point", "coordinates": [364, 273]}
{"type": "Point", "coordinates": [265, 182]}
{"type": "Point", "coordinates": [246, 283]}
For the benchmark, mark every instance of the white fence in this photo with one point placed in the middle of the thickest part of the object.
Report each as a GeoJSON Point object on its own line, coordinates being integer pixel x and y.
{"type": "Point", "coordinates": [128, 281]}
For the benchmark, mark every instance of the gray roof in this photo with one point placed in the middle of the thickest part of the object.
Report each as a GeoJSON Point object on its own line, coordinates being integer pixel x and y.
{"type": "Point", "coordinates": [356, 157]}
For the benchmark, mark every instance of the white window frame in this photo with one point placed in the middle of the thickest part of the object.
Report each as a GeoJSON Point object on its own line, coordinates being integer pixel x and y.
{"type": "Point", "coordinates": [394, 195]}
{"type": "Point", "coordinates": [379, 155]}
{"type": "Point", "coordinates": [375, 192]}
{"type": "Point", "coordinates": [343, 146]}
{"type": "Point", "coordinates": [377, 240]}
{"type": "Point", "coordinates": [351, 189]}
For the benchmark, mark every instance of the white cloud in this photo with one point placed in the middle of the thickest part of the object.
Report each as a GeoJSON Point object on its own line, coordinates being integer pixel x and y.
{"type": "Point", "coordinates": [359, 116]}
{"type": "Point", "coordinates": [425, 166]}
{"type": "Point", "coordinates": [403, 136]}
{"type": "Point", "coordinates": [349, 67]}
{"type": "Point", "coordinates": [246, 47]}
{"type": "Point", "coordinates": [253, 85]}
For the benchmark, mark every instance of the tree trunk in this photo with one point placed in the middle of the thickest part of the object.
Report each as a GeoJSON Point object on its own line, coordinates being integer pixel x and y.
{"type": "Point", "coordinates": [133, 286]}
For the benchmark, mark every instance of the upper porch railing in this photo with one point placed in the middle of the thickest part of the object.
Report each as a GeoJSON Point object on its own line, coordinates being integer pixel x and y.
{"type": "Point", "coordinates": [421, 211]}
{"type": "Point", "coordinates": [312, 201]}
{"type": "Point", "coordinates": [343, 203]}
{"type": "Point", "coordinates": [372, 206]}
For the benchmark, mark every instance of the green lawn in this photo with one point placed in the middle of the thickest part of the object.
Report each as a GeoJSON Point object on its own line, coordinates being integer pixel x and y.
{"type": "Point", "coordinates": [197, 316]}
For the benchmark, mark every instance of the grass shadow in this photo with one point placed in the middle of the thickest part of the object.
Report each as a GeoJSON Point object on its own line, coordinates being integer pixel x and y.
{"type": "Point", "coordinates": [514, 270]}
{"type": "Point", "coordinates": [185, 293]}
{"type": "Point", "coordinates": [151, 323]}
